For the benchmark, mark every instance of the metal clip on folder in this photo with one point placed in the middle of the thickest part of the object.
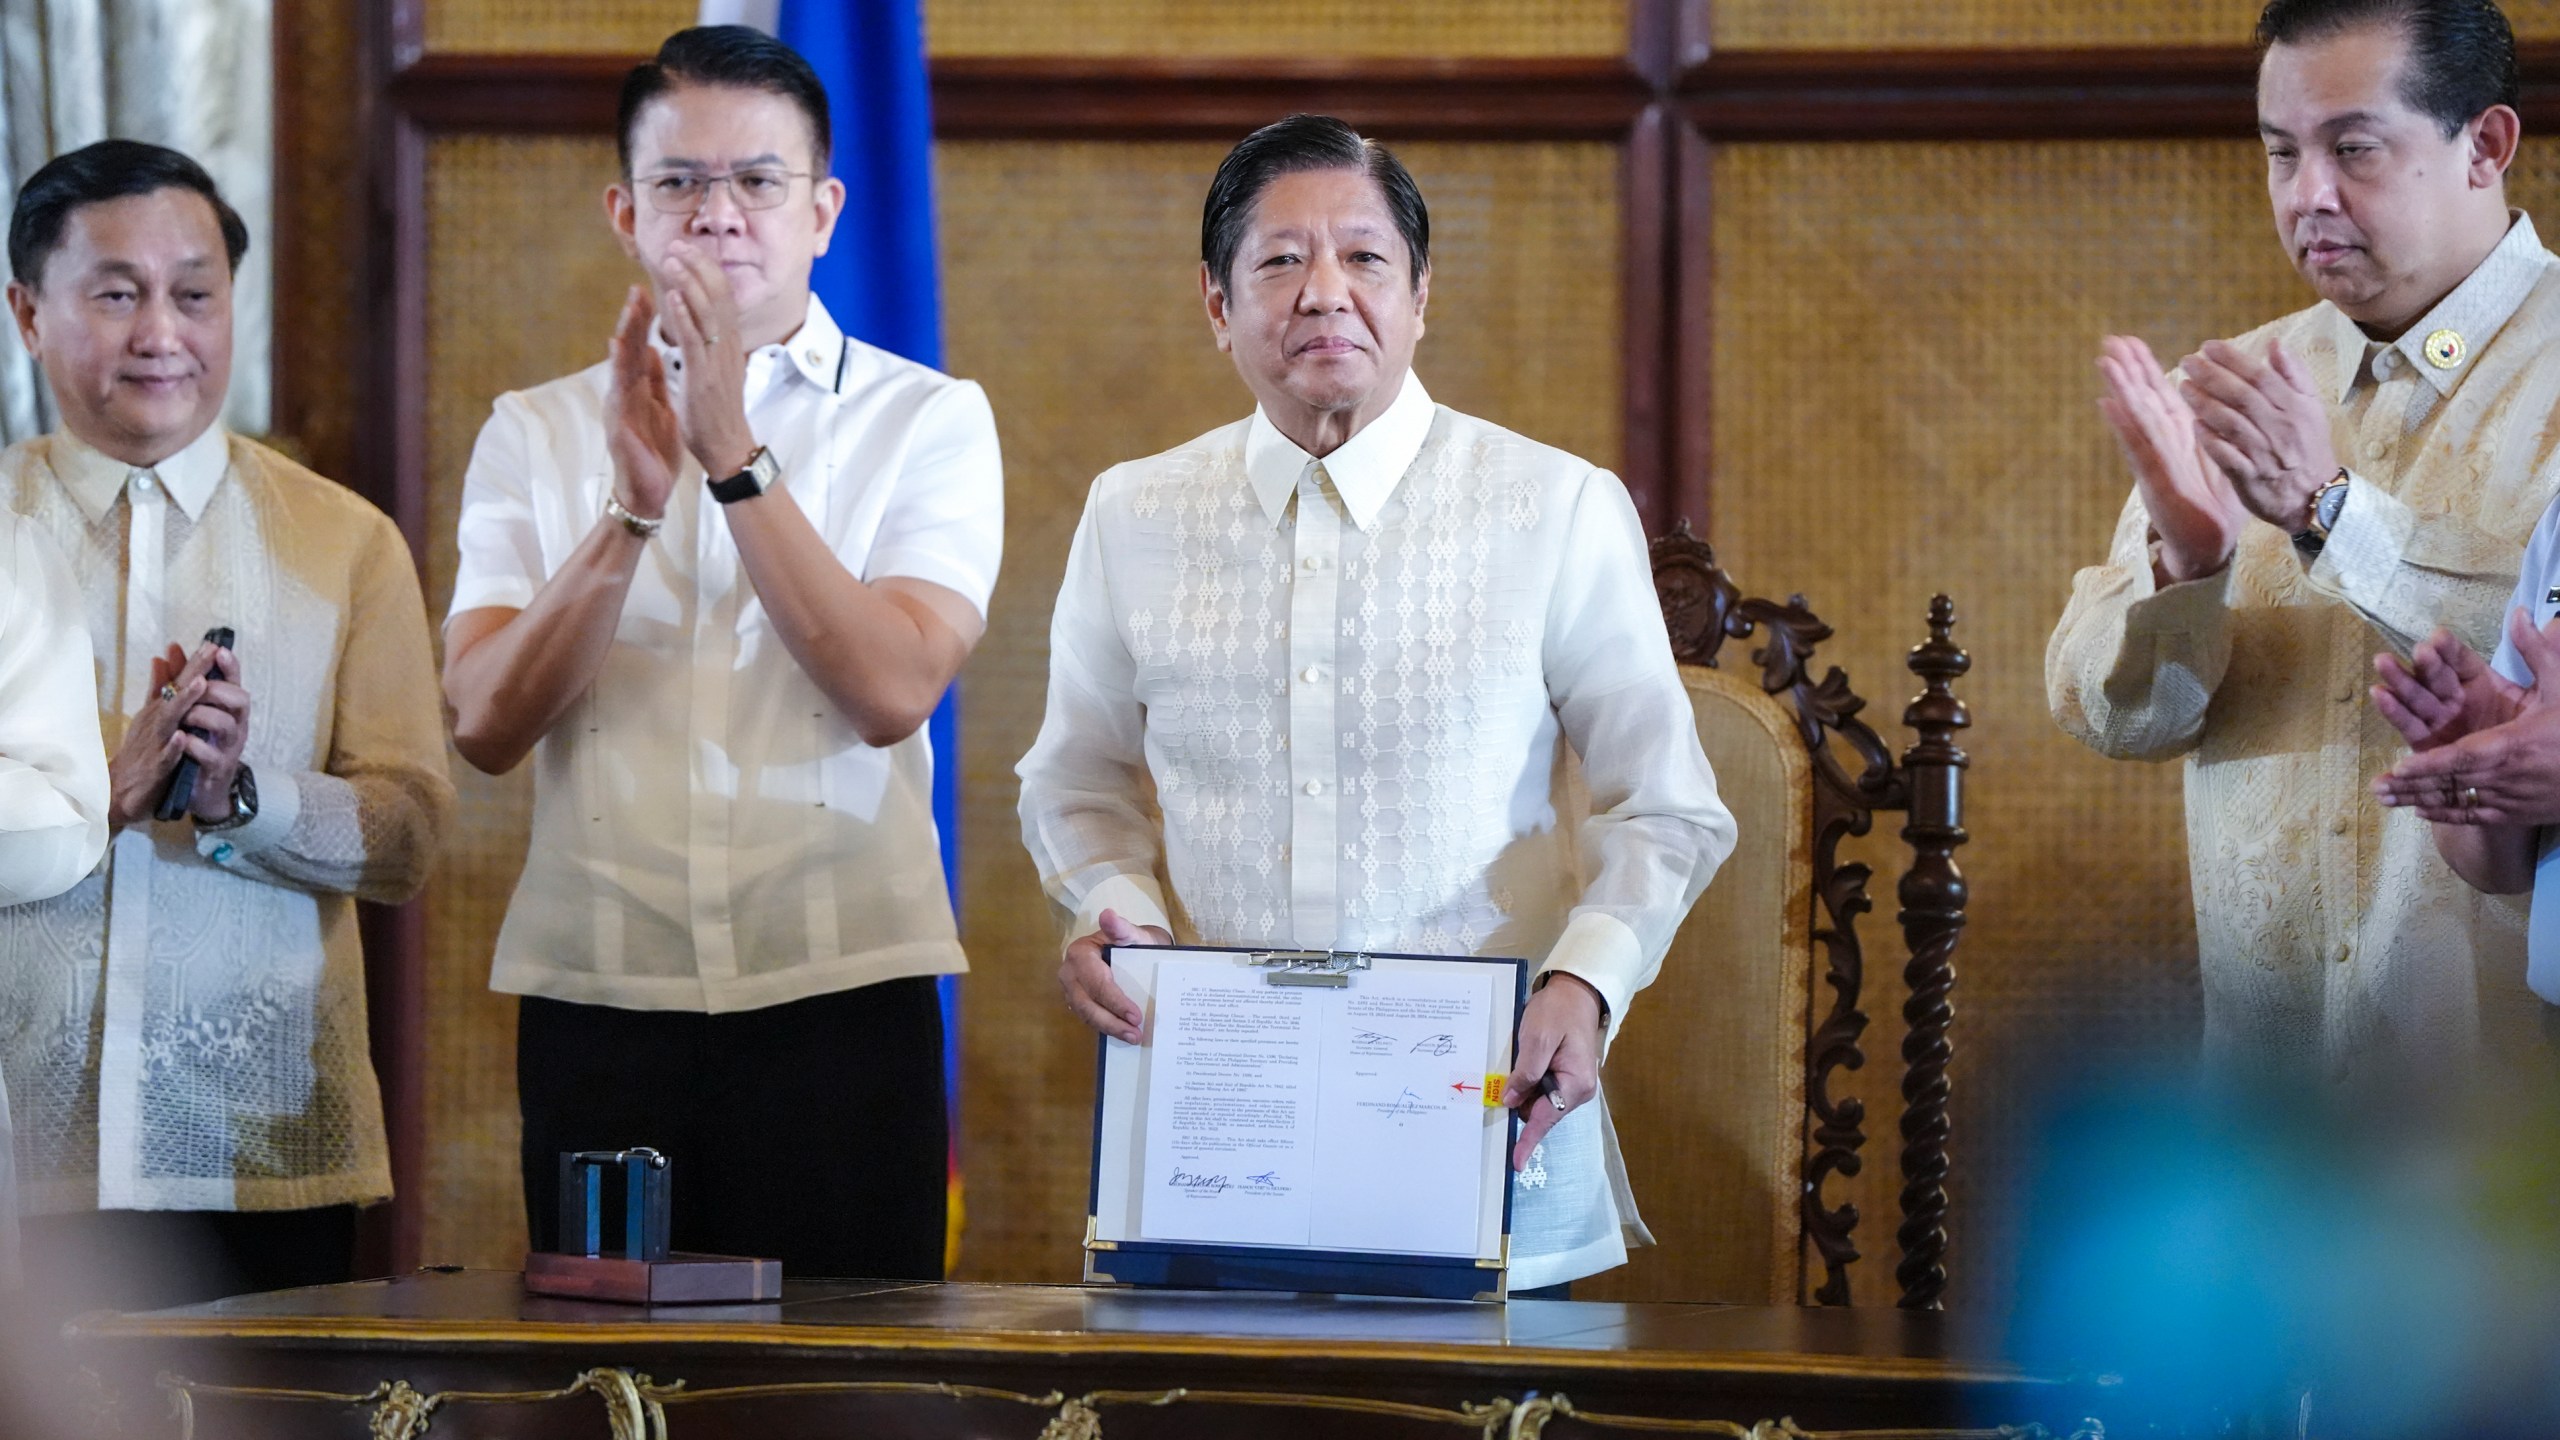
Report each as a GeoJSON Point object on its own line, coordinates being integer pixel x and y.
{"type": "Point", "coordinates": [1331, 968]}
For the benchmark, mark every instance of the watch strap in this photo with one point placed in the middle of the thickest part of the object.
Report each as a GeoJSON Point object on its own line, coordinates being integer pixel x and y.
{"type": "Point", "coordinates": [754, 480]}
{"type": "Point", "coordinates": [244, 802]}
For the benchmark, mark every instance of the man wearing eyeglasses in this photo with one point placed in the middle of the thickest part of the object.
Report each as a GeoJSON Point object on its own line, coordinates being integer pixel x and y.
{"type": "Point", "coordinates": [714, 587]}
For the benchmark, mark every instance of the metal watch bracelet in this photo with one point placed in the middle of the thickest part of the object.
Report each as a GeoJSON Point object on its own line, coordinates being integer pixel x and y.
{"type": "Point", "coordinates": [614, 507]}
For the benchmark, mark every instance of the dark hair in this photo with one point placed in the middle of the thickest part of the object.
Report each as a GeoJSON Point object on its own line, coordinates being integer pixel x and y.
{"type": "Point", "coordinates": [92, 174]}
{"type": "Point", "coordinates": [1286, 147]}
{"type": "Point", "coordinates": [2462, 53]}
{"type": "Point", "coordinates": [740, 56]}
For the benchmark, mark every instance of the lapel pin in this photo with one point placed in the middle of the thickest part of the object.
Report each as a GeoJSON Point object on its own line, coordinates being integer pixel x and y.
{"type": "Point", "coordinates": [2444, 349]}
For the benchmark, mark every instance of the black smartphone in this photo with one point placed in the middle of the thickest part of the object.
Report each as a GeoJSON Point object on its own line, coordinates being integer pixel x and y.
{"type": "Point", "coordinates": [181, 794]}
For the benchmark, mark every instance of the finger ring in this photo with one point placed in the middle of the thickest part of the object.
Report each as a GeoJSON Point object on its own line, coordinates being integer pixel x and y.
{"type": "Point", "coordinates": [1558, 1097]}
{"type": "Point", "coordinates": [169, 692]}
{"type": "Point", "coordinates": [2470, 797]}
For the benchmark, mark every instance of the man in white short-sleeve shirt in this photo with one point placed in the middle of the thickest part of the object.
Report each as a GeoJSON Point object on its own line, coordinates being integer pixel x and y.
{"type": "Point", "coordinates": [715, 587]}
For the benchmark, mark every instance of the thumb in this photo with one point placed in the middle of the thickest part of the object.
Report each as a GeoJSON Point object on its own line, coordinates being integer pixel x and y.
{"type": "Point", "coordinates": [1117, 931]}
{"type": "Point", "coordinates": [2539, 651]}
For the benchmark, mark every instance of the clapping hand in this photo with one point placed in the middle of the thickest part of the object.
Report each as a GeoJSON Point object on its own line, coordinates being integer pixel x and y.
{"type": "Point", "coordinates": [2504, 772]}
{"type": "Point", "coordinates": [2264, 426]}
{"type": "Point", "coordinates": [702, 320]}
{"type": "Point", "coordinates": [640, 421]}
{"type": "Point", "coordinates": [183, 693]}
{"type": "Point", "coordinates": [2193, 507]}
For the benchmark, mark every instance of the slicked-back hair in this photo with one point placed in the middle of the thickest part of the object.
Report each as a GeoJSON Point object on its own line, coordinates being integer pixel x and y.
{"type": "Point", "coordinates": [739, 56]}
{"type": "Point", "coordinates": [94, 174]}
{"type": "Point", "coordinates": [2462, 53]}
{"type": "Point", "coordinates": [1292, 146]}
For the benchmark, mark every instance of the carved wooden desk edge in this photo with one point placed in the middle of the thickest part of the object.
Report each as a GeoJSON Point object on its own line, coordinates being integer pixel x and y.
{"type": "Point", "coordinates": [1710, 1370]}
{"type": "Point", "coordinates": [1703, 606]}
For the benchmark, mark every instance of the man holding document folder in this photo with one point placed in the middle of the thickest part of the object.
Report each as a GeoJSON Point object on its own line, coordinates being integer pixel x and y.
{"type": "Point", "coordinates": [1315, 669]}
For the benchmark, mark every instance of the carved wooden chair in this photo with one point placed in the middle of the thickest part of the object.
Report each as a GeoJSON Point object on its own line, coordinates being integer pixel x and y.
{"type": "Point", "coordinates": [1722, 1082]}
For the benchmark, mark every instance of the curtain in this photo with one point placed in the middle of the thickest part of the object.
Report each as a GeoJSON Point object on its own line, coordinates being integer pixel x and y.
{"type": "Point", "coordinates": [194, 75]}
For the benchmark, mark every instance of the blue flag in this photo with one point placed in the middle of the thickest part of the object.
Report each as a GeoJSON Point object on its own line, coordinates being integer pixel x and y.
{"type": "Point", "coordinates": [880, 280]}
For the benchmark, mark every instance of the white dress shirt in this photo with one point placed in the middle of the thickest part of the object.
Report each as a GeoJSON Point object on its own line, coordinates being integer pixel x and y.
{"type": "Point", "coordinates": [2538, 595]}
{"type": "Point", "coordinates": [709, 831]}
{"type": "Point", "coordinates": [53, 767]}
{"type": "Point", "coordinates": [1350, 688]}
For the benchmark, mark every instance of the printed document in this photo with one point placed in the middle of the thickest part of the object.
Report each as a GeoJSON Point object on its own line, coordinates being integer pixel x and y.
{"type": "Point", "coordinates": [1345, 1118]}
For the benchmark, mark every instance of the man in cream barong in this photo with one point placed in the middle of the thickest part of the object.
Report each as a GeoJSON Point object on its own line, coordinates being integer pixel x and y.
{"type": "Point", "coordinates": [183, 1032]}
{"type": "Point", "coordinates": [1310, 675]}
{"type": "Point", "coordinates": [2345, 480]}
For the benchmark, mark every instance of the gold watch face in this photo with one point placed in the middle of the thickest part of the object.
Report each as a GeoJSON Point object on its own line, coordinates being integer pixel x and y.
{"type": "Point", "coordinates": [2444, 349]}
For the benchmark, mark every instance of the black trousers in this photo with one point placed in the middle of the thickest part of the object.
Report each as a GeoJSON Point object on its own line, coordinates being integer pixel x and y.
{"type": "Point", "coordinates": [811, 1132]}
{"type": "Point", "coordinates": [152, 1259]}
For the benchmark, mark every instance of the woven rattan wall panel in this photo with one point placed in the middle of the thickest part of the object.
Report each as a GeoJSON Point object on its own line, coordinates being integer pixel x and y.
{"type": "Point", "coordinates": [555, 27]}
{"type": "Point", "coordinates": [1904, 404]}
{"type": "Point", "coordinates": [1863, 24]}
{"type": "Point", "coordinates": [523, 282]}
{"type": "Point", "coordinates": [1267, 27]}
{"type": "Point", "coordinates": [1070, 272]}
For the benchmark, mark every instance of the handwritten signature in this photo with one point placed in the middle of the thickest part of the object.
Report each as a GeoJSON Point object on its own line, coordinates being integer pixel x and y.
{"type": "Point", "coordinates": [1185, 1180]}
{"type": "Point", "coordinates": [1372, 1037]}
{"type": "Point", "coordinates": [1436, 1045]}
{"type": "Point", "coordinates": [1266, 1179]}
{"type": "Point", "coordinates": [1407, 1103]}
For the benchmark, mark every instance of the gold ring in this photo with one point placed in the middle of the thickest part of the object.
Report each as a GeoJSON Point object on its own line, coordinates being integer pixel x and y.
{"type": "Point", "coordinates": [169, 692]}
{"type": "Point", "coordinates": [2470, 797]}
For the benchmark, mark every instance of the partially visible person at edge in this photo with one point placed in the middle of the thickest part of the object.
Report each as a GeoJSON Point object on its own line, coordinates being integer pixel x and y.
{"type": "Point", "coordinates": [53, 769]}
{"type": "Point", "coordinates": [2355, 476]}
{"type": "Point", "coordinates": [183, 1031]}
{"type": "Point", "coordinates": [1316, 668]}
{"type": "Point", "coordinates": [713, 587]}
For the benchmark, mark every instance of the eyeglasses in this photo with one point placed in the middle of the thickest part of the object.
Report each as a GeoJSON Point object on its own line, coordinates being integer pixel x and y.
{"type": "Point", "coordinates": [682, 192]}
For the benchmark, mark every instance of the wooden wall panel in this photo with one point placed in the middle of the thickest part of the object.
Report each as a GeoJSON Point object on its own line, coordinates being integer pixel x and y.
{"type": "Point", "coordinates": [553, 27]}
{"type": "Point", "coordinates": [1093, 28]}
{"type": "Point", "coordinates": [523, 283]}
{"type": "Point", "coordinates": [2016, 24]}
{"type": "Point", "coordinates": [1336, 28]}
{"type": "Point", "coordinates": [1070, 276]}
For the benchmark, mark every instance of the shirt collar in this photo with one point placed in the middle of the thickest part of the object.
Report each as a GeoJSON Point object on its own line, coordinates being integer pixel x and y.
{"type": "Point", "coordinates": [2485, 300]}
{"type": "Point", "coordinates": [818, 349]}
{"type": "Point", "coordinates": [1365, 469]}
{"type": "Point", "coordinates": [96, 478]}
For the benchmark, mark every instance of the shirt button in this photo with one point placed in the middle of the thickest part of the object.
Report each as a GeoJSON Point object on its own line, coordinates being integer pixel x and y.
{"type": "Point", "coordinates": [2343, 952]}
{"type": "Point", "coordinates": [1314, 563]}
{"type": "Point", "coordinates": [1315, 787]}
{"type": "Point", "coordinates": [1284, 742]}
{"type": "Point", "coordinates": [2373, 449]}
{"type": "Point", "coordinates": [1311, 674]}
{"type": "Point", "coordinates": [143, 482]}
{"type": "Point", "coordinates": [2338, 826]}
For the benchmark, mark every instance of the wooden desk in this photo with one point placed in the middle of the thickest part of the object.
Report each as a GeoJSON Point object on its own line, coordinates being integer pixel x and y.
{"type": "Point", "coordinates": [856, 1358]}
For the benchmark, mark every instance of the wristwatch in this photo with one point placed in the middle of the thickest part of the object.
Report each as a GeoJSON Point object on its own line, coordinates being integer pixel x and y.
{"type": "Point", "coordinates": [244, 802]}
{"type": "Point", "coordinates": [2327, 503]}
{"type": "Point", "coordinates": [747, 484]}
